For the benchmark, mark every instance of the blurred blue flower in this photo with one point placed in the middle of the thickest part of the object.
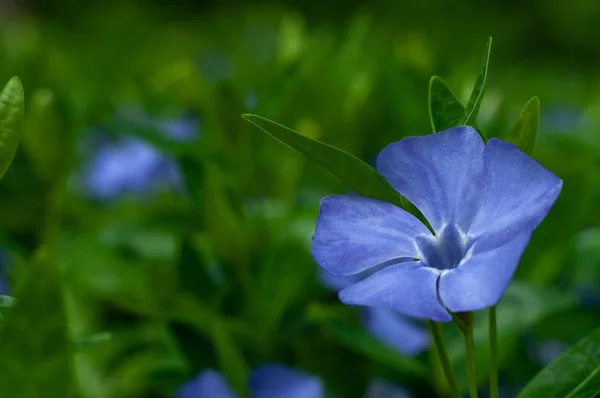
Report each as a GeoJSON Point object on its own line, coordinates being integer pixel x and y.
{"type": "Point", "coordinates": [548, 351]}
{"type": "Point", "coordinates": [559, 119]}
{"type": "Point", "coordinates": [209, 383]}
{"type": "Point", "coordinates": [133, 166]}
{"type": "Point", "coordinates": [388, 326]}
{"type": "Point", "coordinates": [482, 201]}
{"type": "Point", "coordinates": [277, 381]}
{"type": "Point", "coordinates": [379, 388]}
{"type": "Point", "coordinates": [268, 381]}
{"type": "Point", "coordinates": [182, 129]}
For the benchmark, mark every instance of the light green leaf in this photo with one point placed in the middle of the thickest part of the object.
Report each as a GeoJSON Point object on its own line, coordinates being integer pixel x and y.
{"type": "Point", "coordinates": [445, 110]}
{"type": "Point", "coordinates": [574, 374]}
{"type": "Point", "coordinates": [12, 105]}
{"type": "Point", "coordinates": [92, 341]}
{"type": "Point", "coordinates": [521, 308]}
{"type": "Point", "coordinates": [348, 168]}
{"type": "Point", "coordinates": [367, 345]}
{"type": "Point", "coordinates": [477, 94]}
{"type": "Point", "coordinates": [524, 132]}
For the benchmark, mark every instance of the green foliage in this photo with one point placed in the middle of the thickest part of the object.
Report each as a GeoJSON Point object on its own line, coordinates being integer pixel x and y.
{"type": "Point", "coordinates": [574, 374]}
{"type": "Point", "coordinates": [12, 104]}
{"type": "Point", "coordinates": [477, 94]}
{"type": "Point", "coordinates": [521, 308]}
{"type": "Point", "coordinates": [445, 110]}
{"type": "Point", "coordinates": [361, 342]}
{"type": "Point", "coordinates": [37, 360]}
{"type": "Point", "coordinates": [524, 132]}
{"type": "Point", "coordinates": [6, 304]}
{"type": "Point", "coordinates": [139, 293]}
{"type": "Point", "coordinates": [348, 168]}
{"type": "Point", "coordinates": [45, 134]}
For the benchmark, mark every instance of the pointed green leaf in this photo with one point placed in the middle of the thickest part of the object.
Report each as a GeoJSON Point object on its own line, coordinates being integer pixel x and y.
{"type": "Point", "coordinates": [524, 132]}
{"type": "Point", "coordinates": [574, 374]}
{"type": "Point", "coordinates": [477, 94]}
{"type": "Point", "coordinates": [12, 105]}
{"type": "Point", "coordinates": [445, 110]}
{"type": "Point", "coordinates": [348, 168]}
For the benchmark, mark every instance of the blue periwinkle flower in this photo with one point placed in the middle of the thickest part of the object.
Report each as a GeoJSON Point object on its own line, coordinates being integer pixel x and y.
{"type": "Point", "coordinates": [483, 202]}
{"type": "Point", "coordinates": [129, 166]}
{"type": "Point", "coordinates": [392, 328]}
{"type": "Point", "coordinates": [132, 165]}
{"type": "Point", "coordinates": [268, 381]}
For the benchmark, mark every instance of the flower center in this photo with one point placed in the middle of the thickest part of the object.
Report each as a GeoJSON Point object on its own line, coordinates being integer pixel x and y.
{"type": "Point", "coordinates": [445, 250]}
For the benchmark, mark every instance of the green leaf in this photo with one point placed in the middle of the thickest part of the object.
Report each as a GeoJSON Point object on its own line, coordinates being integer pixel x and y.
{"type": "Point", "coordinates": [44, 134]}
{"type": "Point", "coordinates": [521, 308]}
{"type": "Point", "coordinates": [574, 374]}
{"type": "Point", "coordinates": [92, 341]}
{"type": "Point", "coordinates": [35, 357]}
{"type": "Point", "coordinates": [12, 105]}
{"type": "Point", "coordinates": [367, 345]}
{"type": "Point", "coordinates": [477, 94]}
{"type": "Point", "coordinates": [6, 305]}
{"type": "Point", "coordinates": [445, 110]}
{"type": "Point", "coordinates": [347, 167]}
{"type": "Point", "coordinates": [524, 132]}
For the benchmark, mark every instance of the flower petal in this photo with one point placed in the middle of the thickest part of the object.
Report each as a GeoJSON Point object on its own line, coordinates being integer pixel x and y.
{"type": "Point", "coordinates": [355, 233]}
{"type": "Point", "coordinates": [209, 383]}
{"type": "Point", "coordinates": [409, 288]}
{"type": "Point", "coordinates": [277, 381]}
{"type": "Point", "coordinates": [396, 330]}
{"type": "Point", "coordinates": [480, 281]}
{"type": "Point", "coordinates": [335, 283]}
{"type": "Point", "coordinates": [517, 194]}
{"type": "Point", "coordinates": [440, 173]}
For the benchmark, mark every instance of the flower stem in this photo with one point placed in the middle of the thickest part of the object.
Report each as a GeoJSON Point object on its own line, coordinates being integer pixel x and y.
{"type": "Point", "coordinates": [470, 348]}
{"type": "Point", "coordinates": [493, 354]}
{"type": "Point", "coordinates": [441, 350]}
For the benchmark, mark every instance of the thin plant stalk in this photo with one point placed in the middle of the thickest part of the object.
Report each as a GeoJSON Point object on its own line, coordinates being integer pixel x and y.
{"type": "Point", "coordinates": [470, 349]}
{"type": "Point", "coordinates": [493, 353]}
{"type": "Point", "coordinates": [443, 355]}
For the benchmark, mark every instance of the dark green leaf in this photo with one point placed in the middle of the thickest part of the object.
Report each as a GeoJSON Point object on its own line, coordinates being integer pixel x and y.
{"type": "Point", "coordinates": [521, 308]}
{"type": "Point", "coordinates": [45, 134]}
{"type": "Point", "coordinates": [12, 105]}
{"type": "Point", "coordinates": [524, 132]}
{"type": "Point", "coordinates": [36, 360]}
{"type": "Point", "coordinates": [350, 169]}
{"type": "Point", "coordinates": [477, 94]}
{"type": "Point", "coordinates": [574, 374]}
{"type": "Point", "coordinates": [445, 110]}
{"type": "Point", "coordinates": [365, 344]}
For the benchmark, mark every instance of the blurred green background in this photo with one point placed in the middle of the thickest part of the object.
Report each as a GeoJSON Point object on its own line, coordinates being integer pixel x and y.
{"type": "Point", "coordinates": [181, 233]}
